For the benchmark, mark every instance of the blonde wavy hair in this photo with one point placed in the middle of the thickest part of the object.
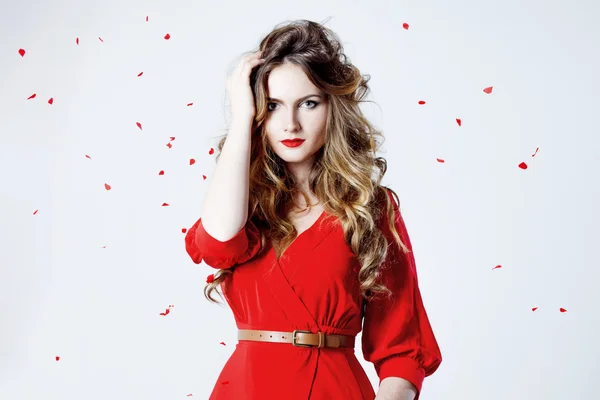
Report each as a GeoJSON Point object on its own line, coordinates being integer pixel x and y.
{"type": "Point", "coordinates": [344, 168]}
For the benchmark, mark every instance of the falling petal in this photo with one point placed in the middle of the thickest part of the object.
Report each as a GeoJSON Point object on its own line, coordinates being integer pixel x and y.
{"type": "Point", "coordinates": [165, 205]}
{"type": "Point", "coordinates": [210, 278]}
{"type": "Point", "coordinates": [88, 157]}
{"type": "Point", "coordinates": [204, 177]}
{"type": "Point", "coordinates": [141, 73]}
{"type": "Point", "coordinates": [523, 165]}
{"type": "Point", "coordinates": [192, 161]}
{"type": "Point", "coordinates": [51, 101]}
{"type": "Point", "coordinates": [459, 121]}
{"type": "Point", "coordinates": [421, 102]}
{"type": "Point", "coordinates": [405, 26]}
{"type": "Point", "coordinates": [139, 125]}
{"type": "Point", "coordinates": [22, 52]}
{"type": "Point", "coordinates": [169, 145]}
{"type": "Point", "coordinates": [35, 212]}
{"type": "Point", "coordinates": [167, 36]}
{"type": "Point", "coordinates": [190, 104]}
{"type": "Point", "coordinates": [183, 230]}
{"type": "Point", "coordinates": [562, 310]}
{"type": "Point", "coordinates": [211, 151]}
{"type": "Point", "coordinates": [536, 150]}
{"type": "Point", "coordinates": [440, 160]}
{"type": "Point", "coordinates": [100, 39]}
{"type": "Point", "coordinates": [57, 358]}
{"type": "Point", "coordinates": [107, 186]}
{"type": "Point", "coordinates": [32, 96]}
{"type": "Point", "coordinates": [77, 41]}
{"type": "Point", "coordinates": [488, 90]}
{"type": "Point", "coordinates": [496, 267]}
{"type": "Point", "coordinates": [146, 18]}
{"type": "Point", "coordinates": [223, 343]}
{"type": "Point", "coordinates": [534, 308]}
{"type": "Point", "coordinates": [172, 138]}
{"type": "Point", "coordinates": [167, 311]}
{"type": "Point", "coordinates": [161, 172]}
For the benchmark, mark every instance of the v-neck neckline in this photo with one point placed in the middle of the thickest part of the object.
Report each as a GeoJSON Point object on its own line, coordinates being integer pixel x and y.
{"type": "Point", "coordinates": [302, 234]}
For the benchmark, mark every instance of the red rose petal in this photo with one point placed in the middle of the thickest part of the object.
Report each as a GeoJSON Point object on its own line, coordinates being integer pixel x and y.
{"type": "Point", "coordinates": [223, 343]}
{"type": "Point", "coordinates": [523, 165]}
{"type": "Point", "coordinates": [204, 177]}
{"type": "Point", "coordinates": [488, 90]}
{"type": "Point", "coordinates": [166, 312]}
{"type": "Point", "coordinates": [161, 172]}
{"type": "Point", "coordinates": [183, 230]}
{"type": "Point", "coordinates": [536, 150]}
{"type": "Point", "coordinates": [141, 73]}
{"type": "Point", "coordinates": [459, 121]}
{"type": "Point", "coordinates": [57, 358]}
{"type": "Point", "coordinates": [169, 145]}
{"type": "Point", "coordinates": [51, 101]}
{"type": "Point", "coordinates": [35, 212]}
{"type": "Point", "coordinates": [139, 125]}
{"type": "Point", "coordinates": [107, 186]}
{"type": "Point", "coordinates": [146, 18]}
{"type": "Point", "coordinates": [88, 157]}
{"type": "Point", "coordinates": [496, 267]}
{"type": "Point", "coordinates": [100, 39]}
{"type": "Point", "coordinates": [22, 52]}
{"type": "Point", "coordinates": [534, 308]}
{"type": "Point", "coordinates": [190, 104]}
{"type": "Point", "coordinates": [405, 26]}
{"type": "Point", "coordinates": [421, 102]}
{"type": "Point", "coordinates": [172, 138]}
{"type": "Point", "coordinates": [165, 205]}
{"type": "Point", "coordinates": [32, 96]}
{"type": "Point", "coordinates": [167, 36]}
{"type": "Point", "coordinates": [562, 310]}
{"type": "Point", "coordinates": [440, 160]}
{"type": "Point", "coordinates": [210, 278]}
{"type": "Point", "coordinates": [192, 161]}
{"type": "Point", "coordinates": [211, 151]}
{"type": "Point", "coordinates": [77, 41]}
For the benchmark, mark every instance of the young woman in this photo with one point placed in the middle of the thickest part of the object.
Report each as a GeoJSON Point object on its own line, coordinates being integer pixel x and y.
{"type": "Point", "coordinates": [306, 242]}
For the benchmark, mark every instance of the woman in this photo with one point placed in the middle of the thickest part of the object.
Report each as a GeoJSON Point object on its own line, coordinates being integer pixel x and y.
{"type": "Point", "coordinates": [306, 243]}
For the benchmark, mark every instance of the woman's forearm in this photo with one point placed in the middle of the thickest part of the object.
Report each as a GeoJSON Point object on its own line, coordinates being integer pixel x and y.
{"type": "Point", "coordinates": [393, 388]}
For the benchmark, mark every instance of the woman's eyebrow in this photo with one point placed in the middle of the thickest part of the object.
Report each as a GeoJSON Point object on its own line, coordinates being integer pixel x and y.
{"type": "Point", "coordinates": [300, 99]}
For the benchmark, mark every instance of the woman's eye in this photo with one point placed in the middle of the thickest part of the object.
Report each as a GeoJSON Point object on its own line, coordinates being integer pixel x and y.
{"type": "Point", "coordinates": [315, 104]}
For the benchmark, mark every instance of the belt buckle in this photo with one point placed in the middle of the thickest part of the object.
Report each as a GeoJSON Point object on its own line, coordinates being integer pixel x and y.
{"type": "Point", "coordinates": [294, 338]}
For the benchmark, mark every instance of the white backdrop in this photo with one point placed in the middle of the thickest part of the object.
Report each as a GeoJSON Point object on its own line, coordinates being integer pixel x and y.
{"type": "Point", "coordinates": [86, 277]}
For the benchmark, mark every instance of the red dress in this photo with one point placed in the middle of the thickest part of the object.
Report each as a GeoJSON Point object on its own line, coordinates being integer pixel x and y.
{"type": "Point", "coordinates": [314, 286]}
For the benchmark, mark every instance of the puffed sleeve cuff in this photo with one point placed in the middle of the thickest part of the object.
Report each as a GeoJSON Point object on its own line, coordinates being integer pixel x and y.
{"type": "Point", "coordinates": [201, 246]}
{"type": "Point", "coordinates": [402, 367]}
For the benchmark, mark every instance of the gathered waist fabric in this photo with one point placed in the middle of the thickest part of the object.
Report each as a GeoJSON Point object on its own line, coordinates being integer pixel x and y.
{"type": "Point", "coordinates": [301, 373]}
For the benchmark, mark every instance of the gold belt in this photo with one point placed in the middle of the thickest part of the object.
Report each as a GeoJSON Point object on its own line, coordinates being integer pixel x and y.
{"type": "Point", "coordinates": [297, 338]}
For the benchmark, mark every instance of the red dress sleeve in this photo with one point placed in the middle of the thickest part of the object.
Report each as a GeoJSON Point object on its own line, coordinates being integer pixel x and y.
{"type": "Point", "coordinates": [222, 255]}
{"type": "Point", "coordinates": [397, 337]}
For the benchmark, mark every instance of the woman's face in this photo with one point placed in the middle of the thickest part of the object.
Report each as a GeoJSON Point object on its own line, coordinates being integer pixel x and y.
{"type": "Point", "coordinates": [293, 113]}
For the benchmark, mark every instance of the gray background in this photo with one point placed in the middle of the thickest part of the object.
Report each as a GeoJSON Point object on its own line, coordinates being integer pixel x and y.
{"type": "Point", "coordinates": [62, 293]}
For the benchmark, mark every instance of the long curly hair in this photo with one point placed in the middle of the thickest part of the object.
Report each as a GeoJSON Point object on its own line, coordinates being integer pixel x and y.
{"type": "Point", "coordinates": [346, 174]}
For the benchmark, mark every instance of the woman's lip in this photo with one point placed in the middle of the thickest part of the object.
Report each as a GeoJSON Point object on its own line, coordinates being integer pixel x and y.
{"type": "Point", "coordinates": [293, 140]}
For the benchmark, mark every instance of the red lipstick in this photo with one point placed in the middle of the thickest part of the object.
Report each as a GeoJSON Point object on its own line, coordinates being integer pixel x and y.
{"type": "Point", "coordinates": [292, 142]}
